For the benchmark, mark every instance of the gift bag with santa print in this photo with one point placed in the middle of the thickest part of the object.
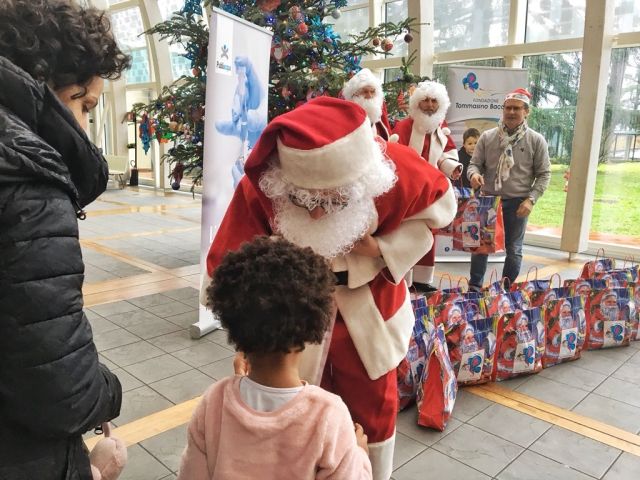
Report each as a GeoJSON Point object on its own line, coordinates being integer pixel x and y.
{"type": "Point", "coordinates": [635, 312]}
{"type": "Point", "coordinates": [472, 356]}
{"type": "Point", "coordinates": [450, 314]}
{"type": "Point", "coordinates": [609, 321]}
{"type": "Point", "coordinates": [565, 329]}
{"type": "Point", "coordinates": [584, 286]}
{"type": "Point", "coordinates": [505, 303]}
{"type": "Point", "coordinates": [437, 389]}
{"type": "Point", "coordinates": [531, 285]}
{"type": "Point", "coordinates": [542, 298]}
{"type": "Point", "coordinates": [520, 344]}
{"type": "Point", "coordinates": [600, 264]}
{"type": "Point", "coordinates": [478, 226]}
{"type": "Point", "coordinates": [410, 370]}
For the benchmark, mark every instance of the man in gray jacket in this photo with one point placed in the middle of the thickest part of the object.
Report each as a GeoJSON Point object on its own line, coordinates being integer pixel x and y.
{"type": "Point", "coordinates": [512, 161]}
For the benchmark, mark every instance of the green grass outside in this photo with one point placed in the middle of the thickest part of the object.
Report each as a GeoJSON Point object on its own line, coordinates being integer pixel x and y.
{"type": "Point", "coordinates": [616, 207]}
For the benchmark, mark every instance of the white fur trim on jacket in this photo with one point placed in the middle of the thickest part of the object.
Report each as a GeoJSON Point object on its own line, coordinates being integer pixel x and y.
{"type": "Point", "coordinates": [380, 344]}
{"type": "Point", "coordinates": [440, 213]}
{"type": "Point", "coordinates": [325, 167]}
{"type": "Point", "coordinates": [364, 78]}
{"type": "Point", "coordinates": [403, 247]}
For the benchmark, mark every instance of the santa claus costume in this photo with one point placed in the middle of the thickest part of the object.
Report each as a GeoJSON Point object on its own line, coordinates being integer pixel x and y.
{"type": "Point", "coordinates": [324, 155]}
{"type": "Point", "coordinates": [375, 107]}
{"type": "Point", "coordinates": [431, 138]}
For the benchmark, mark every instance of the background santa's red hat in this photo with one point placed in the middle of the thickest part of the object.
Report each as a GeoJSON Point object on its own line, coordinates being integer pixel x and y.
{"type": "Point", "coordinates": [521, 94]}
{"type": "Point", "coordinates": [325, 143]}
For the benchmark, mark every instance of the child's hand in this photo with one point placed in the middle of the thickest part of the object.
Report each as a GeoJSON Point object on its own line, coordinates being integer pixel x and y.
{"type": "Point", "coordinates": [241, 364]}
{"type": "Point", "coordinates": [361, 437]}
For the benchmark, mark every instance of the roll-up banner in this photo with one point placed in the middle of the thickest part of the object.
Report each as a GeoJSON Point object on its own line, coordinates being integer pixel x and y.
{"type": "Point", "coordinates": [476, 95]}
{"type": "Point", "coordinates": [236, 114]}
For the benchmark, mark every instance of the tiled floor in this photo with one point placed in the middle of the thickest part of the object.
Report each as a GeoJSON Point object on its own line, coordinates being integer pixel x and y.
{"type": "Point", "coordinates": [131, 235]}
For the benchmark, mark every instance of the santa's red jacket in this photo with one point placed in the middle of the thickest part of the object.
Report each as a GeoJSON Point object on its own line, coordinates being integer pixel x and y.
{"type": "Point", "coordinates": [375, 303]}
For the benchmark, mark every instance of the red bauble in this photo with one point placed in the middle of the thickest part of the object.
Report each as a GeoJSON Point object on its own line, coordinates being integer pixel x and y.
{"type": "Point", "coordinates": [302, 28]}
{"type": "Point", "coordinates": [375, 41]}
{"type": "Point", "coordinates": [196, 72]}
{"type": "Point", "coordinates": [387, 45]}
{"type": "Point", "coordinates": [408, 38]}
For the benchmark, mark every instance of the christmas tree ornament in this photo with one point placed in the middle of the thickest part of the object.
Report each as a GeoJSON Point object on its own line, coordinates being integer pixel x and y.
{"type": "Point", "coordinates": [408, 38]}
{"type": "Point", "coordinates": [196, 71]}
{"type": "Point", "coordinates": [375, 42]}
{"type": "Point", "coordinates": [387, 45]}
{"type": "Point", "coordinates": [268, 5]}
{"type": "Point", "coordinates": [302, 28]}
{"type": "Point", "coordinates": [336, 14]}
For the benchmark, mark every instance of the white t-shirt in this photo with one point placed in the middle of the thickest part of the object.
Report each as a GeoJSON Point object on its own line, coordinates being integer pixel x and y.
{"type": "Point", "coordinates": [265, 399]}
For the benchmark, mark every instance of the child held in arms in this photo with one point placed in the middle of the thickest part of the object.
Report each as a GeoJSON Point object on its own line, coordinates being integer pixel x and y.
{"type": "Point", "coordinates": [273, 297]}
{"type": "Point", "coordinates": [469, 140]}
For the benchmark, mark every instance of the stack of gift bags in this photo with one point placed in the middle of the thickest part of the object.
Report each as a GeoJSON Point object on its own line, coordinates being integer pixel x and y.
{"type": "Point", "coordinates": [505, 331]}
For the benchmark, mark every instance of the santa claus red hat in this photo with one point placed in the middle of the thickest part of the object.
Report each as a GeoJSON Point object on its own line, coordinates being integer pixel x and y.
{"type": "Point", "coordinates": [430, 89]}
{"type": "Point", "coordinates": [325, 143]}
{"type": "Point", "coordinates": [364, 78]}
{"type": "Point", "coordinates": [521, 94]}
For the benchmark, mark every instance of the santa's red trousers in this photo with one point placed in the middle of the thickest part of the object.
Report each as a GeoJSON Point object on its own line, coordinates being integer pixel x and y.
{"type": "Point", "coordinates": [372, 403]}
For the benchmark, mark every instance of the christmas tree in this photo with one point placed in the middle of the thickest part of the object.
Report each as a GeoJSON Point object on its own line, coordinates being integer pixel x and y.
{"type": "Point", "coordinates": [308, 59]}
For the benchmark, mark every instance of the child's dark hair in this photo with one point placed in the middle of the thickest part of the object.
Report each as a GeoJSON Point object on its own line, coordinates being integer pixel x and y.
{"type": "Point", "coordinates": [272, 296]}
{"type": "Point", "coordinates": [470, 132]}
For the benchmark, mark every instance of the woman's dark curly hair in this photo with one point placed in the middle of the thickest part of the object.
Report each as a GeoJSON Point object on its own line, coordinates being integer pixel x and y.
{"type": "Point", "coordinates": [59, 42]}
{"type": "Point", "coordinates": [272, 296]}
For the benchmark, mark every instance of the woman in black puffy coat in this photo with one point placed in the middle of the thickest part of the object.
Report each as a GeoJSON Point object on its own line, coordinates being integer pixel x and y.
{"type": "Point", "coordinates": [54, 56]}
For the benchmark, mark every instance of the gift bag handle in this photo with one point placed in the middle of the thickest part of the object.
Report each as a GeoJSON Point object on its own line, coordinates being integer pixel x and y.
{"type": "Point", "coordinates": [532, 267]}
{"type": "Point", "coordinates": [442, 278]}
{"type": "Point", "coordinates": [559, 279]}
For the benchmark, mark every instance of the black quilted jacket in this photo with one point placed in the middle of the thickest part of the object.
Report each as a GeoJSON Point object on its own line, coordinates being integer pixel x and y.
{"type": "Point", "coordinates": [52, 387]}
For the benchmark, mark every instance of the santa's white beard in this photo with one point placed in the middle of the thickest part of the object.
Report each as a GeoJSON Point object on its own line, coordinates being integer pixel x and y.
{"type": "Point", "coordinates": [426, 123]}
{"type": "Point", "coordinates": [331, 235]}
{"type": "Point", "coordinates": [373, 107]}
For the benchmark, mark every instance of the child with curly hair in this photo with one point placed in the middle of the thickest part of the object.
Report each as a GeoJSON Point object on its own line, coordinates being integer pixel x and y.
{"type": "Point", "coordinates": [273, 297]}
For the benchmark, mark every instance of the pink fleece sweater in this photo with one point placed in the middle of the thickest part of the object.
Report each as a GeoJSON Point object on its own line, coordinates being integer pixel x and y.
{"type": "Point", "coordinates": [310, 437]}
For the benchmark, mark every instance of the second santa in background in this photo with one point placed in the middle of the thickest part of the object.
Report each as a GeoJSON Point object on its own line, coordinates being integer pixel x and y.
{"type": "Point", "coordinates": [426, 131]}
{"type": "Point", "coordinates": [365, 89]}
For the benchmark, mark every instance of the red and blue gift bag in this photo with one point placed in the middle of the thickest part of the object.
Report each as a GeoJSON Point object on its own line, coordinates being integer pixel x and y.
{"type": "Point", "coordinates": [437, 390]}
{"type": "Point", "coordinates": [411, 368]}
{"type": "Point", "coordinates": [520, 344]}
{"type": "Point", "coordinates": [541, 298]}
{"type": "Point", "coordinates": [635, 313]}
{"type": "Point", "coordinates": [503, 303]}
{"type": "Point", "coordinates": [598, 265]}
{"type": "Point", "coordinates": [473, 354]}
{"type": "Point", "coordinates": [566, 325]}
{"type": "Point", "coordinates": [478, 226]}
{"type": "Point", "coordinates": [609, 321]}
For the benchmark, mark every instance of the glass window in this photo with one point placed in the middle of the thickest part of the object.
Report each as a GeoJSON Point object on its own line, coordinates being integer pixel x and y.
{"type": "Point", "coordinates": [627, 16]}
{"type": "Point", "coordinates": [180, 65]}
{"type": "Point", "coordinates": [461, 24]}
{"type": "Point", "coordinates": [395, 12]}
{"type": "Point", "coordinates": [615, 215]}
{"type": "Point", "coordinates": [351, 22]}
{"type": "Point", "coordinates": [554, 19]}
{"type": "Point", "coordinates": [127, 28]}
{"type": "Point", "coordinates": [554, 81]}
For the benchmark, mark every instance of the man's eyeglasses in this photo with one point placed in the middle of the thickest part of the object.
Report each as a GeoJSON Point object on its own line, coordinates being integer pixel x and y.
{"type": "Point", "coordinates": [327, 206]}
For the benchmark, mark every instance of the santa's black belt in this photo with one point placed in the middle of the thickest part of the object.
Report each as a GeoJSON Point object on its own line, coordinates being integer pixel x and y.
{"type": "Point", "coordinates": [342, 278]}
